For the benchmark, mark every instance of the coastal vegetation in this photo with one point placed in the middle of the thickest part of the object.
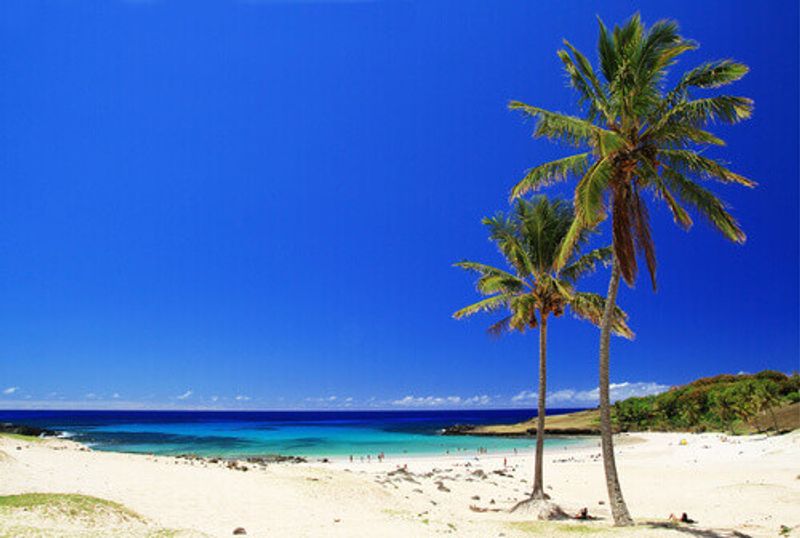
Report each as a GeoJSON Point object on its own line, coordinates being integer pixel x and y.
{"type": "Point", "coordinates": [545, 528]}
{"type": "Point", "coordinates": [22, 437]}
{"type": "Point", "coordinates": [43, 515]}
{"type": "Point", "coordinates": [21, 432]}
{"type": "Point", "coordinates": [70, 504]}
{"type": "Point", "coordinates": [530, 239]}
{"type": "Point", "coordinates": [636, 137]}
{"type": "Point", "coordinates": [734, 403]}
{"type": "Point", "coordinates": [68, 514]}
{"type": "Point", "coordinates": [768, 401]}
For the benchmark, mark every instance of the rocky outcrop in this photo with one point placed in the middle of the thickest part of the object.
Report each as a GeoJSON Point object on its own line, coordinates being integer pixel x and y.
{"type": "Point", "coordinates": [276, 458]}
{"type": "Point", "coordinates": [467, 429]}
{"type": "Point", "coordinates": [21, 429]}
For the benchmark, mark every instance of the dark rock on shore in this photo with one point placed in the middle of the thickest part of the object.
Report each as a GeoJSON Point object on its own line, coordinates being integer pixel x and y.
{"type": "Point", "coordinates": [458, 429]}
{"type": "Point", "coordinates": [276, 458]}
{"type": "Point", "coordinates": [31, 431]}
{"type": "Point", "coordinates": [234, 462]}
{"type": "Point", "coordinates": [467, 429]}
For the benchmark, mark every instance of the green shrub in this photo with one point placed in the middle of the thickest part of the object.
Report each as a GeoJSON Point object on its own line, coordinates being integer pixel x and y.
{"type": "Point", "coordinates": [711, 403]}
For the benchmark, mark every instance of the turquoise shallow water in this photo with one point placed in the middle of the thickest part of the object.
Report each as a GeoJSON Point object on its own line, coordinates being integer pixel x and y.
{"type": "Point", "coordinates": [317, 434]}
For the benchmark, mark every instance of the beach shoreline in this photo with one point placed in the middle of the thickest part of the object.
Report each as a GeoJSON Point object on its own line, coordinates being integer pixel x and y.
{"type": "Point", "coordinates": [729, 484]}
{"type": "Point", "coordinates": [576, 442]}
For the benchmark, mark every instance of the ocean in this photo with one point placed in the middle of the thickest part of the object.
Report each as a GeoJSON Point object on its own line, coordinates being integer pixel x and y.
{"type": "Point", "coordinates": [238, 434]}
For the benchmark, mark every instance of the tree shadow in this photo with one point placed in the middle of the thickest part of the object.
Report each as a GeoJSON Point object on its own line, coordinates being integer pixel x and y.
{"type": "Point", "coordinates": [694, 531]}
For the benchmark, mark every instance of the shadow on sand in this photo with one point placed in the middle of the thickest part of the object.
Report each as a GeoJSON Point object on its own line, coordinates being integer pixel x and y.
{"type": "Point", "coordinates": [694, 531]}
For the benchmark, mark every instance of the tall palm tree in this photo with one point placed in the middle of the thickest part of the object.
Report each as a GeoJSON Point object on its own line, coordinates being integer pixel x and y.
{"type": "Point", "coordinates": [530, 240]}
{"type": "Point", "coordinates": [637, 136]}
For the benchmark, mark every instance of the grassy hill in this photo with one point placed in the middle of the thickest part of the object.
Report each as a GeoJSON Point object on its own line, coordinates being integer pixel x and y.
{"type": "Point", "coordinates": [743, 403]}
{"type": "Point", "coordinates": [578, 423]}
{"type": "Point", "coordinates": [735, 403]}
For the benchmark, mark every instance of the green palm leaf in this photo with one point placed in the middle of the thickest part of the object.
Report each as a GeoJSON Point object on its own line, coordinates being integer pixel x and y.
{"type": "Point", "coordinates": [568, 129]}
{"type": "Point", "coordinates": [688, 161]}
{"type": "Point", "coordinates": [699, 112]}
{"type": "Point", "coordinates": [706, 204]}
{"type": "Point", "coordinates": [585, 81]}
{"type": "Point", "coordinates": [549, 173]}
{"type": "Point", "coordinates": [486, 305]}
{"type": "Point", "coordinates": [590, 306]}
{"type": "Point", "coordinates": [530, 238]}
{"type": "Point", "coordinates": [587, 263]}
{"type": "Point", "coordinates": [482, 268]}
{"type": "Point", "coordinates": [711, 75]}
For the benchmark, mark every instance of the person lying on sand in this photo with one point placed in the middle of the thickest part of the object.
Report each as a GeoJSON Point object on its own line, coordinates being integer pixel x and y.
{"type": "Point", "coordinates": [583, 514]}
{"type": "Point", "coordinates": [683, 519]}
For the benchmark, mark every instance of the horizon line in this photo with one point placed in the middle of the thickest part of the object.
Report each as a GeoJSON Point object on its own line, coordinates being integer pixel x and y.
{"type": "Point", "coordinates": [288, 410]}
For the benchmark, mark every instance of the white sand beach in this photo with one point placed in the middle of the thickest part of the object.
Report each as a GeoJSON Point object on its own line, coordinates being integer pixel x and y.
{"type": "Point", "coordinates": [732, 486]}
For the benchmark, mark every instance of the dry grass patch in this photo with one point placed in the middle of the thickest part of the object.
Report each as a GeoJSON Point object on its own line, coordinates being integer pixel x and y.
{"type": "Point", "coordinates": [34, 515]}
{"type": "Point", "coordinates": [588, 420]}
{"type": "Point", "coordinates": [551, 528]}
{"type": "Point", "coordinates": [24, 438]}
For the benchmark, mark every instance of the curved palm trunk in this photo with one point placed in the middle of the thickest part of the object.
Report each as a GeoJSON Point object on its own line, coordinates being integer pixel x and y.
{"type": "Point", "coordinates": [538, 481]}
{"type": "Point", "coordinates": [618, 508]}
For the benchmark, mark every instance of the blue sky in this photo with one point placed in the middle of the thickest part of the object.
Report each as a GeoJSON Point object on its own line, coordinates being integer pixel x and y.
{"type": "Point", "coordinates": [257, 203]}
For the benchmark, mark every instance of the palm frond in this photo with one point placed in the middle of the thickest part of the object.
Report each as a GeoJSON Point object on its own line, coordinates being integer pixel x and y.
{"type": "Point", "coordinates": [590, 306]}
{"type": "Point", "coordinates": [662, 45]}
{"type": "Point", "coordinates": [642, 235]}
{"type": "Point", "coordinates": [628, 37]}
{"type": "Point", "coordinates": [706, 204]}
{"type": "Point", "coordinates": [565, 288]}
{"type": "Point", "coordinates": [622, 231]}
{"type": "Point", "coordinates": [698, 112]}
{"type": "Point", "coordinates": [689, 161]}
{"type": "Point", "coordinates": [679, 214]}
{"type": "Point", "coordinates": [609, 59]}
{"type": "Point", "coordinates": [523, 313]}
{"type": "Point", "coordinates": [680, 135]}
{"type": "Point", "coordinates": [589, 202]}
{"type": "Point", "coordinates": [568, 129]}
{"type": "Point", "coordinates": [575, 234]}
{"type": "Point", "coordinates": [503, 231]}
{"type": "Point", "coordinates": [585, 81]}
{"type": "Point", "coordinates": [493, 280]}
{"type": "Point", "coordinates": [543, 224]}
{"type": "Point", "coordinates": [711, 75]}
{"type": "Point", "coordinates": [500, 327]}
{"type": "Point", "coordinates": [590, 210]}
{"type": "Point", "coordinates": [489, 284]}
{"type": "Point", "coordinates": [587, 263]}
{"type": "Point", "coordinates": [486, 305]}
{"type": "Point", "coordinates": [549, 173]}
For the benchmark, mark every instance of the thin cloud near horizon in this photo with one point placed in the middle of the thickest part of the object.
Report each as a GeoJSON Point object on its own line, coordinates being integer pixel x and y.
{"type": "Point", "coordinates": [565, 398]}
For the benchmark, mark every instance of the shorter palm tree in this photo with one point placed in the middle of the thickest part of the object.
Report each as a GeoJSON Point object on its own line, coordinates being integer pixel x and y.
{"type": "Point", "coordinates": [530, 240]}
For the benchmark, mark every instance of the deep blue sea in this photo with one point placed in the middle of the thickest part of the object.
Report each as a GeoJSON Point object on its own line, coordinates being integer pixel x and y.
{"type": "Point", "coordinates": [298, 433]}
